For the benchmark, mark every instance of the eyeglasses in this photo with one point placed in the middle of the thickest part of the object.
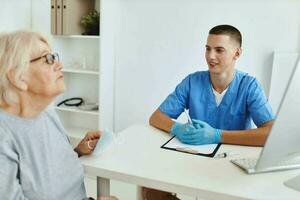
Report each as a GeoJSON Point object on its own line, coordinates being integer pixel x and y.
{"type": "Point", "coordinates": [50, 58]}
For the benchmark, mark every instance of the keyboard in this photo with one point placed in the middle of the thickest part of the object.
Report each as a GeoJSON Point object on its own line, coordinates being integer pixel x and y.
{"type": "Point", "coordinates": [248, 164]}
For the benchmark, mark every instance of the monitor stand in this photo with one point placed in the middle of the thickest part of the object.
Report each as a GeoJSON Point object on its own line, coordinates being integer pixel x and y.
{"type": "Point", "coordinates": [293, 183]}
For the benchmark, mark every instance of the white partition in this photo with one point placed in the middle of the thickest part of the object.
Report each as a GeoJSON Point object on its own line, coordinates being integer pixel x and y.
{"type": "Point", "coordinates": [159, 42]}
{"type": "Point", "coordinates": [283, 64]}
{"type": "Point", "coordinates": [15, 15]}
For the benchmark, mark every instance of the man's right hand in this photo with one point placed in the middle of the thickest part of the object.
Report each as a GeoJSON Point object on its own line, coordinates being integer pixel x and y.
{"type": "Point", "coordinates": [198, 133]}
{"type": "Point", "coordinates": [182, 131]}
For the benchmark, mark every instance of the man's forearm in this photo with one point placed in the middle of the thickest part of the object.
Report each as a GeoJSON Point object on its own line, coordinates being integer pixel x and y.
{"type": "Point", "coordinates": [161, 121]}
{"type": "Point", "coordinates": [252, 137]}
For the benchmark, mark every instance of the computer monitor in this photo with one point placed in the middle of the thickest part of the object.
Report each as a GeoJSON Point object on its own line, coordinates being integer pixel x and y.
{"type": "Point", "coordinates": [282, 148]}
{"type": "Point", "coordinates": [283, 142]}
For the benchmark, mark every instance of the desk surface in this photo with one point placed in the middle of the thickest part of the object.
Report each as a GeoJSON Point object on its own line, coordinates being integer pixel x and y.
{"type": "Point", "coordinates": [140, 160]}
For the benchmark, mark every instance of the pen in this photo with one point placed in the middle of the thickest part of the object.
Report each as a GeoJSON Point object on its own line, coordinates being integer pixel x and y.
{"type": "Point", "coordinates": [221, 155]}
{"type": "Point", "coordinates": [188, 117]}
{"type": "Point", "coordinates": [225, 155]}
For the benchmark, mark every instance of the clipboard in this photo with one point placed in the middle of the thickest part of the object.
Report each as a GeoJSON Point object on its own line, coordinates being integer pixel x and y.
{"type": "Point", "coordinates": [208, 150]}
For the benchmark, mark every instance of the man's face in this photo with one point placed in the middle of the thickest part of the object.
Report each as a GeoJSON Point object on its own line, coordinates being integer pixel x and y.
{"type": "Point", "coordinates": [221, 53]}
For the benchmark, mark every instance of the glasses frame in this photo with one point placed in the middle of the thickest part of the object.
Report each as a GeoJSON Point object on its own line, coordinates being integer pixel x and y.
{"type": "Point", "coordinates": [50, 58]}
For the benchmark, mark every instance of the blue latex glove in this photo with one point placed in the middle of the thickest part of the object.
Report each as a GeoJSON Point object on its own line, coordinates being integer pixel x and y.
{"type": "Point", "coordinates": [203, 134]}
{"type": "Point", "coordinates": [180, 130]}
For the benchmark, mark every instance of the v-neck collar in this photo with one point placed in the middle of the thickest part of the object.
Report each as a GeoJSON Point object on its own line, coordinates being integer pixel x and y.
{"type": "Point", "coordinates": [215, 92]}
{"type": "Point", "coordinates": [227, 98]}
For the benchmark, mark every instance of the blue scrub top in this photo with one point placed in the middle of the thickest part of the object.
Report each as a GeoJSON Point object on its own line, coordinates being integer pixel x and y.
{"type": "Point", "coordinates": [243, 101]}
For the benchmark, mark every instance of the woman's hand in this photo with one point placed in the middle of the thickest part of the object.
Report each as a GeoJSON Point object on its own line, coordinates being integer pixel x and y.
{"type": "Point", "coordinates": [88, 143]}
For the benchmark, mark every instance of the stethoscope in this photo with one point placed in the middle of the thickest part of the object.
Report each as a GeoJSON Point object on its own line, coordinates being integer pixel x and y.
{"type": "Point", "coordinates": [75, 101]}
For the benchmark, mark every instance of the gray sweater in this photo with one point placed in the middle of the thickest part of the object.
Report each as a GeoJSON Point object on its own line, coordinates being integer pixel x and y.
{"type": "Point", "coordinates": [37, 161]}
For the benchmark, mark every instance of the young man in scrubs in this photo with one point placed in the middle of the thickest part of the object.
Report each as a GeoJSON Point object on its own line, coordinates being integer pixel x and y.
{"type": "Point", "coordinates": [221, 101]}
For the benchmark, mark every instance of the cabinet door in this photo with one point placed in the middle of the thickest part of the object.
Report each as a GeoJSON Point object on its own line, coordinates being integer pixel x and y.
{"type": "Point", "coordinates": [58, 17]}
{"type": "Point", "coordinates": [73, 10]}
{"type": "Point", "coordinates": [53, 16]}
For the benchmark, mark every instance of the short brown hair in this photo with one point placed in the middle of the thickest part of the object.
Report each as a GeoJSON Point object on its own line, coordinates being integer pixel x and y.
{"type": "Point", "coordinates": [229, 30]}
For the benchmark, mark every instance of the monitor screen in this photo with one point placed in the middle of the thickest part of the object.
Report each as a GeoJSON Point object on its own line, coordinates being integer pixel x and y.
{"type": "Point", "coordinates": [283, 142]}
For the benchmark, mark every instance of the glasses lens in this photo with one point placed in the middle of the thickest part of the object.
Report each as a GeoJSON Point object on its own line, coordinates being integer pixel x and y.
{"type": "Point", "coordinates": [56, 57]}
{"type": "Point", "coordinates": [50, 58]}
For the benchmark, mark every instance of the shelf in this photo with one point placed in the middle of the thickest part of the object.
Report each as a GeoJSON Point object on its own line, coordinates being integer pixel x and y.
{"type": "Point", "coordinates": [78, 36]}
{"type": "Point", "coordinates": [76, 132]}
{"type": "Point", "coordinates": [76, 110]}
{"type": "Point", "coordinates": [80, 71]}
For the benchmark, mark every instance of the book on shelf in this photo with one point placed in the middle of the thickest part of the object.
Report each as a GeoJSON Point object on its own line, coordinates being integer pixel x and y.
{"type": "Point", "coordinates": [53, 16]}
{"type": "Point", "coordinates": [66, 16]}
{"type": "Point", "coordinates": [59, 30]}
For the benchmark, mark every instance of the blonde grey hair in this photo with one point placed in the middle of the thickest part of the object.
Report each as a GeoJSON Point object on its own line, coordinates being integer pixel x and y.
{"type": "Point", "coordinates": [15, 51]}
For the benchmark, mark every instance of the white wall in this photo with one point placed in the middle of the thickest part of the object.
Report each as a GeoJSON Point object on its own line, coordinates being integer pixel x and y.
{"type": "Point", "coordinates": [41, 15]}
{"type": "Point", "coordinates": [283, 66]}
{"type": "Point", "coordinates": [15, 14]}
{"type": "Point", "coordinates": [161, 41]}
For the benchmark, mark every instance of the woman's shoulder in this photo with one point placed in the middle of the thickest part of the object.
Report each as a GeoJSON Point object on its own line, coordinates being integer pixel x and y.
{"type": "Point", "coordinates": [5, 134]}
{"type": "Point", "coordinates": [50, 112]}
{"type": "Point", "coordinates": [4, 128]}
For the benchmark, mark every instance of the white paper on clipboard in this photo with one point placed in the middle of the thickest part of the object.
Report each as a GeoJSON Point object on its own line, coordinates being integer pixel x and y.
{"type": "Point", "coordinates": [174, 143]}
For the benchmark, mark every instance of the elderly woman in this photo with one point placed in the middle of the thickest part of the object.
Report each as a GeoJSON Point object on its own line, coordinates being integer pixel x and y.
{"type": "Point", "coordinates": [36, 158]}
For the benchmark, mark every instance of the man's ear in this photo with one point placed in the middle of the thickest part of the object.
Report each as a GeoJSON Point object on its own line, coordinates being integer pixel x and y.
{"type": "Point", "coordinates": [238, 53]}
{"type": "Point", "coordinates": [20, 84]}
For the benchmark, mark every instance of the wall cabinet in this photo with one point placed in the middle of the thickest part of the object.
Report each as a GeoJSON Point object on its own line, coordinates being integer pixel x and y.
{"type": "Point", "coordinates": [66, 16]}
{"type": "Point", "coordinates": [80, 55]}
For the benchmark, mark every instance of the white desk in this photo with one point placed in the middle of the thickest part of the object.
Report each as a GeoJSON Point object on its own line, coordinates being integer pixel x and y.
{"type": "Point", "coordinates": [140, 160]}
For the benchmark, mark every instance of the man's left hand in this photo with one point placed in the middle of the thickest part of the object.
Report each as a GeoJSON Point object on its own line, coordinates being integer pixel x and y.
{"type": "Point", "coordinates": [204, 134]}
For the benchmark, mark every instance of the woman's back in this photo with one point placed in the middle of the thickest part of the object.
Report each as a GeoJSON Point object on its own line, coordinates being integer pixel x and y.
{"type": "Point", "coordinates": [37, 160]}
